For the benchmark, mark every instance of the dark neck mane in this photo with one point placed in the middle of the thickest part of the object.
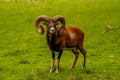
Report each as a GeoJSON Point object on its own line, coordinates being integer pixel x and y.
{"type": "Point", "coordinates": [51, 40]}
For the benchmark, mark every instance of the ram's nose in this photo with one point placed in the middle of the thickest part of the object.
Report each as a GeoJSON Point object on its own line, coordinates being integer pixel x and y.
{"type": "Point", "coordinates": [52, 30]}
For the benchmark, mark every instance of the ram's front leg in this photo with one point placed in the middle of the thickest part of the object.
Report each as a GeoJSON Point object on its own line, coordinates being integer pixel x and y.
{"type": "Point", "coordinates": [58, 61]}
{"type": "Point", "coordinates": [52, 62]}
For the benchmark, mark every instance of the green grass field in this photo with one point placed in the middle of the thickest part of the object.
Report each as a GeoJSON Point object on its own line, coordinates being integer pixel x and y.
{"type": "Point", "coordinates": [24, 55]}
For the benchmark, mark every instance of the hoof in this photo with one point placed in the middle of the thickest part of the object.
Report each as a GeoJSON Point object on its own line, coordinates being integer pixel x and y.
{"type": "Point", "coordinates": [72, 67]}
{"type": "Point", "coordinates": [57, 72]}
{"type": "Point", "coordinates": [51, 71]}
{"type": "Point", "coordinates": [83, 68]}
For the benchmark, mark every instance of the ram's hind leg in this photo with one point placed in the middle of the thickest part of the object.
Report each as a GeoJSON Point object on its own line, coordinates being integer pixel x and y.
{"type": "Point", "coordinates": [76, 55]}
{"type": "Point", "coordinates": [84, 55]}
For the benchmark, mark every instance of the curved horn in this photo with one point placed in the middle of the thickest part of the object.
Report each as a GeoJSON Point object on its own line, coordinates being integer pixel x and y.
{"type": "Point", "coordinates": [59, 18]}
{"type": "Point", "coordinates": [40, 29]}
{"type": "Point", "coordinates": [62, 20]}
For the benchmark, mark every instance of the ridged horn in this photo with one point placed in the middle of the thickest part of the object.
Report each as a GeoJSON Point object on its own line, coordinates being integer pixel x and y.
{"type": "Point", "coordinates": [62, 20]}
{"type": "Point", "coordinates": [59, 18]}
{"type": "Point", "coordinates": [40, 30]}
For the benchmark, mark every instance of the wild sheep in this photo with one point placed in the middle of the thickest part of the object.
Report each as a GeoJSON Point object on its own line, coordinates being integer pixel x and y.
{"type": "Point", "coordinates": [60, 38]}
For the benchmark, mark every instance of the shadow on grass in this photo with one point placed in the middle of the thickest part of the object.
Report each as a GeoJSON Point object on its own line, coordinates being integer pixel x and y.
{"type": "Point", "coordinates": [87, 71]}
{"type": "Point", "coordinates": [15, 52]}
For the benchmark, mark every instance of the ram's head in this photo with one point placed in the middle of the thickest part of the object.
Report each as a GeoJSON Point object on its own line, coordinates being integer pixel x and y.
{"type": "Point", "coordinates": [50, 24]}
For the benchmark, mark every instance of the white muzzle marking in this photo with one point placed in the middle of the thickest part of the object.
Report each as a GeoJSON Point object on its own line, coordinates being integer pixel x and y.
{"type": "Point", "coordinates": [52, 30]}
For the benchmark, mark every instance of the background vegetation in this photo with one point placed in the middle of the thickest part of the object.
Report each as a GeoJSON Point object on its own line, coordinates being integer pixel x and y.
{"type": "Point", "coordinates": [24, 54]}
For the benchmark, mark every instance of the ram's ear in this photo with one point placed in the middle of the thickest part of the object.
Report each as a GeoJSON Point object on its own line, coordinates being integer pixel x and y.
{"type": "Point", "coordinates": [60, 22]}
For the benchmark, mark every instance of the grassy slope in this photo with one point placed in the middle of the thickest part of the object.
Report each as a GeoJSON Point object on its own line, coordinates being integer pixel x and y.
{"type": "Point", "coordinates": [24, 54]}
